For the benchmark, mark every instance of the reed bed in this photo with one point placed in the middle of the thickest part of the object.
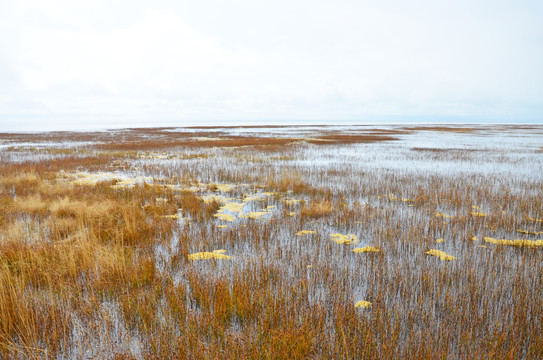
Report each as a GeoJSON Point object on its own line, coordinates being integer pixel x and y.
{"type": "Point", "coordinates": [206, 244]}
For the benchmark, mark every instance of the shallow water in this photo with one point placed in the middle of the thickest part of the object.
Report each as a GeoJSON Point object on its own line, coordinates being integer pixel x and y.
{"type": "Point", "coordinates": [392, 189]}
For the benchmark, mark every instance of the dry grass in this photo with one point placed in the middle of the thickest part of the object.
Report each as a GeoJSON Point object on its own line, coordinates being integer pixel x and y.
{"type": "Point", "coordinates": [317, 209]}
{"type": "Point", "coordinates": [321, 259]}
{"type": "Point", "coordinates": [192, 142]}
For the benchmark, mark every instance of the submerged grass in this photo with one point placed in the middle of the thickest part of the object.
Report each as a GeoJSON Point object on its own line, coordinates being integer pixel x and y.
{"type": "Point", "coordinates": [105, 249]}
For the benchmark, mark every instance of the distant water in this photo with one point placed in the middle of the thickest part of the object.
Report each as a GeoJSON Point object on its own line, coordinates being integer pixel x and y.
{"type": "Point", "coordinates": [99, 124]}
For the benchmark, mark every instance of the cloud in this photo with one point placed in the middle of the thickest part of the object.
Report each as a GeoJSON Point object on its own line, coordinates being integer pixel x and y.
{"type": "Point", "coordinates": [171, 61]}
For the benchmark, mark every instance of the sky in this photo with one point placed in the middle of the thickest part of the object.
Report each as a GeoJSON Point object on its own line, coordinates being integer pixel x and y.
{"type": "Point", "coordinates": [68, 64]}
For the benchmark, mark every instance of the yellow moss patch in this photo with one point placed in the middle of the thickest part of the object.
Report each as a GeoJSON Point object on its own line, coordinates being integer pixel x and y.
{"type": "Point", "coordinates": [303, 232]}
{"type": "Point", "coordinates": [292, 213]}
{"type": "Point", "coordinates": [362, 304]}
{"type": "Point", "coordinates": [349, 239]}
{"type": "Point", "coordinates": [440, 240]}
{"type": "Point", "coordinates": [248, 198]}
{"type": "Point", "coordinates": [366, 249]}
{"type": "Point", "coordinates": [443, 215]}
{"type": "Point", "coordinates": [291, 201]}
{"type": "Point", "coordinates": [174, 216]}
{"type": "Point", "coordinates": [225, 217]}
{"type": "Point", "coordinates": [208, 199]}
{"type": "Point", "coordinates": [216, 254]}
{"type": "Point", "coordinates": [517, 242]}
{"type": "Point", "coordinates": [478, 214]}
{"type": "Point", "coordinates": [224, 187]}
{"type": "Point", "coordinates": [440, 254]}
{"type": "Point", "coordinates": [254, 215]}
{"type": "Point", "coordinates": [232, 207]}
{"type": "Point", "coordinates": [222, 226]}
{"type": "Point", "coordinates": [473, 238]}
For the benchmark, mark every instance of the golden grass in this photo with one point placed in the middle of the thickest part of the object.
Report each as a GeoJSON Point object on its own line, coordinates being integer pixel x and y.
{"type": "Point", "coordinates": [30, 204]}
{"type": "Point", "coordinates": [316, 209]}
{"type": "Point", "coordinates": [141, 142]}
{"type": "Point", "coordinates": [107, 268]}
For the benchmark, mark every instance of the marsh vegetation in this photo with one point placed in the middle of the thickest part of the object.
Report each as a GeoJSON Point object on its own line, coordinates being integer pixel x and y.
{"type": "Point", "coordinates": [278, 242]}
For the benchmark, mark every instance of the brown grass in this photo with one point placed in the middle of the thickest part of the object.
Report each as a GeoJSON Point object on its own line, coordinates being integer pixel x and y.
{"type": "Point", "coordinates": [189, 143]}
{"type": "Point", "coordinates": [102, 272]}
{"type": "Point", "coordinates": [317, 209]}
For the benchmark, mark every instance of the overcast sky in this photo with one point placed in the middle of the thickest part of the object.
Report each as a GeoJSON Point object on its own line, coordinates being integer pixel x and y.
{"type": "Point", "coordinates": [86, 64]}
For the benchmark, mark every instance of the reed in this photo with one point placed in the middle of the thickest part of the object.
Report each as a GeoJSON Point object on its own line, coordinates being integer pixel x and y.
{"type": "Point", "coordinates": [329, 254]}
